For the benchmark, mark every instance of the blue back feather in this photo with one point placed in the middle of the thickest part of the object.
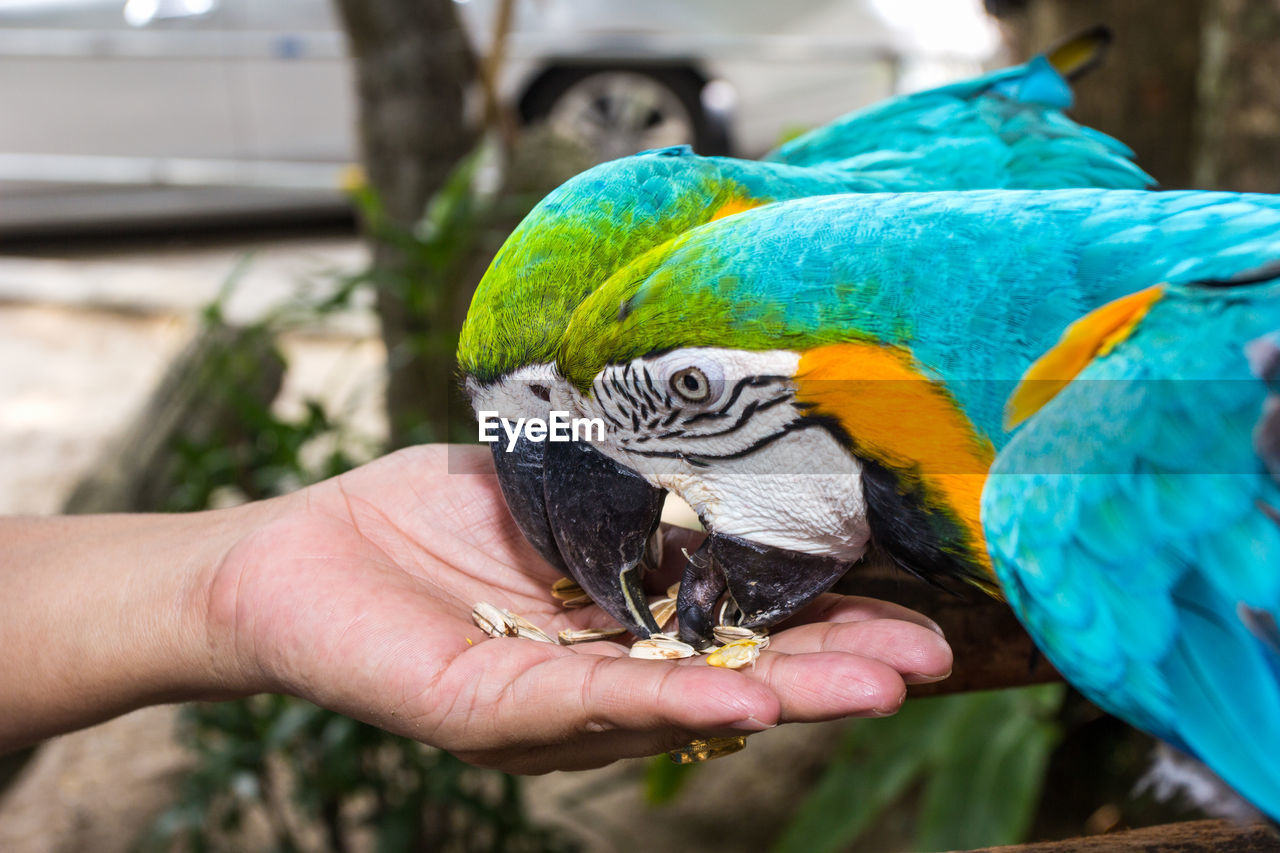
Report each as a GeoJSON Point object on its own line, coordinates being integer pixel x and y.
{"type": "Point", "coordinates": [943, 274]}
{"type": "Point", "coordinates": [1002, 129]}
{"type": "Point", "coordinates": [1126, 523]}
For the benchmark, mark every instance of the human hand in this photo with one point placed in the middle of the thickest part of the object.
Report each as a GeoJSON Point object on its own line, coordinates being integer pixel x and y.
{"type": "Point", "coordinates": [356, 594]}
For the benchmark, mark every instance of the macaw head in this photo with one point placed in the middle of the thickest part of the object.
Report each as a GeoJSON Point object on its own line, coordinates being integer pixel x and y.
{"type": "Point", "coordinates": [784, 402]}
{"type": "Point", "coordinates": [566, 247]}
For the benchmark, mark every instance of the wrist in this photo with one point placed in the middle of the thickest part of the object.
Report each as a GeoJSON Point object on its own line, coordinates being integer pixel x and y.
{"type": "Point", "coordinates": [220, 625]}
{"type": "Point", "coordinates": [105, 614]}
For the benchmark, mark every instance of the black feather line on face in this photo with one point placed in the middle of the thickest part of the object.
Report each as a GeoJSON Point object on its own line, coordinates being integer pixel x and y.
{"type": "Point", "coordinates": [742, 384]}
{"type": "Point", "coordinates": [611, 419]}
{"type": "Point", "coordinates": [704, 459]}
{"type": "Point", "coordinates": [656, 394]}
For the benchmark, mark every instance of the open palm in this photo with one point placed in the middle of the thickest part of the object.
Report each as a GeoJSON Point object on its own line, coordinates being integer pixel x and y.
{"type": "Point", "coordinates": [356, 594]}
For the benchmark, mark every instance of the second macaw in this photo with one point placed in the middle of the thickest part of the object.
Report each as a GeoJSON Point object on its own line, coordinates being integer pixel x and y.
{"type": "Point", "coordinates": [819, 373]}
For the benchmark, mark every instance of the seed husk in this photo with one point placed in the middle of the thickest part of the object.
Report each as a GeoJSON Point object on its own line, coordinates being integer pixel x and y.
{"type": "Point", "coordinates": [589, 635]}
{"type": "Point", "coordinates": [661, 647]}
{"type": "Point", "coordinates": [730, 633]}
{"type": "Point", "coordinates": [566, 589]}
{"type": "Point", "coordinates": [705, 749]}
{"type": "Point", "coordinates": [663, 609]}
{"type": "Point", "coordinates": [497, 622]}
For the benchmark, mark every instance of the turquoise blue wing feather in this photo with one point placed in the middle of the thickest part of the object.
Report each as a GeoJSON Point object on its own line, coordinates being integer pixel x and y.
{"type": "Point", "coordinates": [1005, 128]}
{"type": "Point", "coordinates": [933, 272]}
{"type": "Point", "coordinates": [1132, 525]}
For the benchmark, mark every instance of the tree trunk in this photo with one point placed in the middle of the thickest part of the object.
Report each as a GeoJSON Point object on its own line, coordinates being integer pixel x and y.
{"type": "Point", "coordinates": [1145, 94]}
{"type": "Point", "coordinates": [413, 67]}
{"type": "Point", "coordinates": [1238, 127]}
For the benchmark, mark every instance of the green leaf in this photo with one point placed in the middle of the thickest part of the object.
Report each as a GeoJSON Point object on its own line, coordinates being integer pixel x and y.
{"type": "Point", "coordinates": [986, 786]}
{"type": "Point", "coordinates": [980, 757]}
{"type": "Point", "coordinates": [291, 721]}
{"type": "Point", "coordinates": [874, 764]}
{"type": "Point", "coordinates": [664, 779]}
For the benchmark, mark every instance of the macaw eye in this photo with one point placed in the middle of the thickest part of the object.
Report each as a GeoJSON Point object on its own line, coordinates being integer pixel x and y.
{"type": "Point", "coordinates": [691, 384]}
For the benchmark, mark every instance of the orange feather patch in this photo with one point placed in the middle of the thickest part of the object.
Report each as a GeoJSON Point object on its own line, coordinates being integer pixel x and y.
{"type": "Point", "coordinates": [1092, 336]}
{"type": "Point", "coordinates": [898, 416]}
{"type": "Point", "coordinates": [735, 205]}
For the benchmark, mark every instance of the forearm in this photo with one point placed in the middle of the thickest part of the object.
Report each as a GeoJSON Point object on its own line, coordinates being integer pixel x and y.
{"type": "Point", "coordinates": [103, 614]}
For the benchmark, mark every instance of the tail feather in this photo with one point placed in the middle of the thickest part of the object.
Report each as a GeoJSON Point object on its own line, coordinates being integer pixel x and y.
{"type": "Point", "coordinates": [1081, 53]}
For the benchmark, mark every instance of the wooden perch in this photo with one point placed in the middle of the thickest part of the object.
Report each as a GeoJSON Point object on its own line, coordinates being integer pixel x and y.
{"type": "Point", "coordinates": [991, 648]}
{"type": "Point", "coordinates": [1209, 836]}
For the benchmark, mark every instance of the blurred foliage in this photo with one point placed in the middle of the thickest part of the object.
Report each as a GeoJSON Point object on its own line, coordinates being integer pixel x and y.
{"type": "Point", "coordinates": [431, 259]}
{"type": "Point", "coordinates": [664, 779]}
{"type": "Point", "coordinates": [281, 769]}
{"type": "Point", "coordinates": [309, 779]}
{"type": "Point", "coordinates": [429, 271]}
{"type": "Point", "coordinates": [969, 769]}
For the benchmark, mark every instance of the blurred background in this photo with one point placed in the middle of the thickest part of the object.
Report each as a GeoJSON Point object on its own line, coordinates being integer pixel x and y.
{"type": "Point", "coordinates": [237, 239]}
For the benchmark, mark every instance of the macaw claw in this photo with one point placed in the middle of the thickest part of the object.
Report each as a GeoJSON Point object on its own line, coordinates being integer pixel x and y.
{"type": "Point", "coordinates": [701, 587]}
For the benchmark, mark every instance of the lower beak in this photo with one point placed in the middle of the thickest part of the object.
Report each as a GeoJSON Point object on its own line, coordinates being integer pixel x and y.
{"type": "Point", "coordinates": [767, 584]}
{"type": "Point", "coordinates": [520, 478]}
{"type": "Point", "coordinates": [602, 515]}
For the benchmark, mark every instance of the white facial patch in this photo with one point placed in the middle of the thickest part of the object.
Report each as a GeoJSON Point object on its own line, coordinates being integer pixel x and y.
{"type": "Point", "coordinates": [720, 428]}
{"type": "Point", "coordinates": [523, 393]}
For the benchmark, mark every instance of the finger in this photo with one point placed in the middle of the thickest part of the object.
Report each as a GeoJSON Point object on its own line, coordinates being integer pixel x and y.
{"type": "Point", "coordinates": [916, 652]}
{"type": "Point", "coordinates": [583, 753]}
{"type": "Point", "coordinates": [566, 695]}
{"type": "Point", "coordinates": [829, 685]}
{"type": "Point", "coordinates": [833, 607]}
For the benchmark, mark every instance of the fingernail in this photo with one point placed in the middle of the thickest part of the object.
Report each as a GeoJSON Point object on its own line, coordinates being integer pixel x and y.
{"type": "Point", "coordinates": [751, 724]}
{"type": "Point", "coordinates": [877, 712]}
{"type": "Point", "coordinates": [921, 678]}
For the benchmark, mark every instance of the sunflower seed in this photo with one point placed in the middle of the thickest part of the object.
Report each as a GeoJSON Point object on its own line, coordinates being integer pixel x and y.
{"type": "Point", "coordinates": [659, 647]}
{"type": "Point", "coordinates": [566, 589]}
{"type": "Point", "coordinates": [663, 609]}
{"type": "Point", "coordinates": [589, 635]}
{"type": "Point", "coordinates": [737, 654]}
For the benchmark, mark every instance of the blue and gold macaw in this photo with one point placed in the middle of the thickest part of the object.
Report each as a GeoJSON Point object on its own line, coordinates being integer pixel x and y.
{"type": "Point", "coordinates": [815, 374]}
{"type": "Point", "coordinates": [1004, 129]}
{"type": "Point", "coordinates": [1134, 522]}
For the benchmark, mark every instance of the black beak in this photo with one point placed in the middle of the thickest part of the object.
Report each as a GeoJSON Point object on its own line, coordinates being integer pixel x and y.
{"type": "Point", "coordinates": [593, 519]}
{"type": "Point", "coordinates": [767, 584]}
{"type": "Point", "coordinates": [520, 478]}
{"type": "Point", "coordinates": [602, 515]}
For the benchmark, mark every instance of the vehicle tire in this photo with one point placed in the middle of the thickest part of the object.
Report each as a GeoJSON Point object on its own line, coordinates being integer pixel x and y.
{"type": "Point", "coordinates": [617, 110]}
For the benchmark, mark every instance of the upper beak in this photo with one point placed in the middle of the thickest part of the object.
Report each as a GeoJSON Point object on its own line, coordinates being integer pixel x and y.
{"type": "Point", "coordinates": [602, 515]}
{"type": "Point", "coordinates": [521, 480]}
